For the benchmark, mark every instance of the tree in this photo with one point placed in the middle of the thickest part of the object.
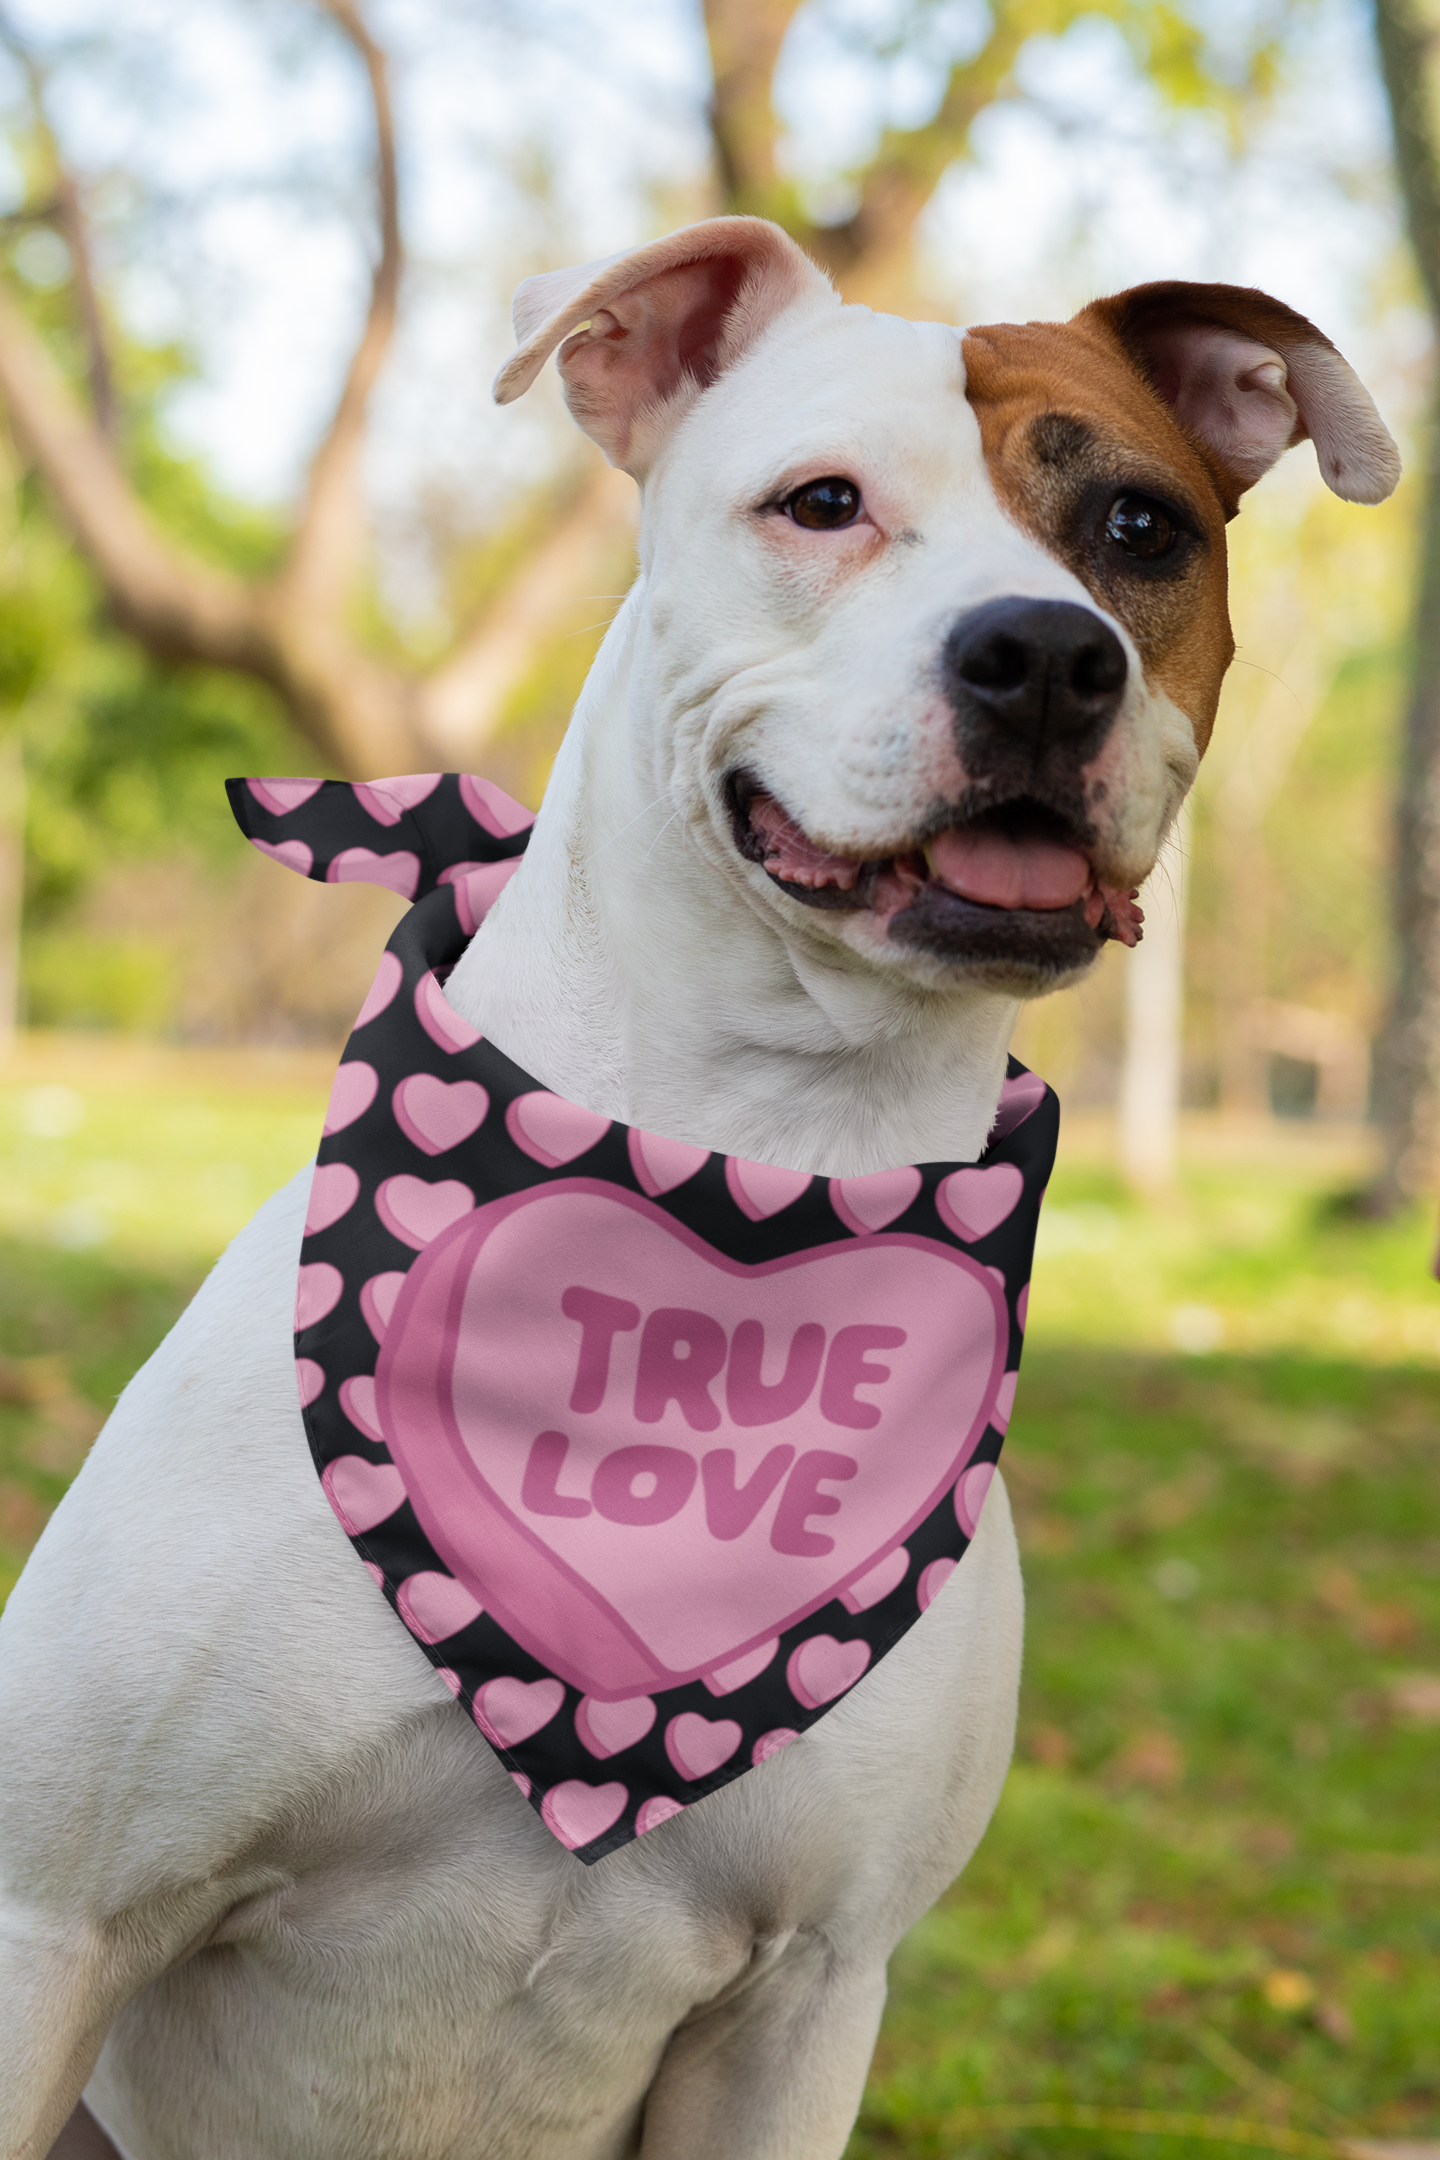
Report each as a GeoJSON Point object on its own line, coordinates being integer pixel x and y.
{"type": "Point", "coordinates": [292, 628]}
{"type": "Point", "coordinates": [1407, 1065]}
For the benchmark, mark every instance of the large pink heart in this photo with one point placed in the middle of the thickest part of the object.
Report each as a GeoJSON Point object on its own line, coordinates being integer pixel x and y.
{"type": "Point", "coordinates": [435, 1606]}
{"type": "Point", "coordinates": [351, 1094]}
{"type": "Point", "coordinates": [398, 872]}
{"type": "Point", "coordinates": [438, 1114]}
{"type": "Point", "coordinates": [607, 1727]}
{"type": "Point", "coordinates": [416, 1211]}
{"type": "Point", "coordinates": [333, 1190]}
{"type": "Point", "coordinates": [639, 1505]}
{"type": "Point", "coordinates": [491, 807]}
{"type": "Point", "coordinates": [509, 1711]}
{"type": "Point", "coordinates": [974, 1202]}
{"type": "Point", "coordinates": [577, 1813]}
{"type": "Point", "coordinates": [551, 1130]}
{"type": "Point", "coordinates": [387, 800]}
{"type": "Point", "coordinates": [280, 797]}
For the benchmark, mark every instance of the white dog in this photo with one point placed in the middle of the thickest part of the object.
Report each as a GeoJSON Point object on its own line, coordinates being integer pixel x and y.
{"type": "Point", "coordinates": [924, 649]}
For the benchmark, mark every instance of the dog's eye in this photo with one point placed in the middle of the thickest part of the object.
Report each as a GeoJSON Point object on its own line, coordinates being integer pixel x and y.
{"type": "Point", "coordinates": [1140, 526]}
{"type": "Point", "coordinates": [822, 505]}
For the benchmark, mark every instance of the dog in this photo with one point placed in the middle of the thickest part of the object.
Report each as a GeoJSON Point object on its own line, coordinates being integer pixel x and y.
{"type": "Point", "coordinates": [924, 648]}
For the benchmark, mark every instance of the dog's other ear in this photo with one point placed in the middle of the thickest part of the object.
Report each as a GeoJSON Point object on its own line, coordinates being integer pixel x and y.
{"type": "Point", "coordinates": [1249, 377]}
{"type": "Point", "coordinates": [658, 323]}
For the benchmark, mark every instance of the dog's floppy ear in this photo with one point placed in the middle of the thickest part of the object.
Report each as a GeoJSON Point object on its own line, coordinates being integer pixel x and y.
{"type": "Point", "coordinates": [658, 321]}
{"type": "Point", "coordinates": [1249, 377]}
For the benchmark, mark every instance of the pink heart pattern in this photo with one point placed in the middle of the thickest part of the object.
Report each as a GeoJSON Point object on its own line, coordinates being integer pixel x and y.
{"type": "Point", "coordinates": [416, 1212]}
{"type": "Point", "coordinates": [973, 1202]}
{"type": "Point", "coordinates": [770, 1743]}
{"type": "Point", "coordinates": [491, 807]}
{"type": "Point", "coordinates": [318, 1291]}
{"type": "Point", "coordinates": [280, 797]}
{"type": "Point", "coordinates": [387, 800]}
{"type": "Point", "coordinates": [699, 1746]}
{"type": "Point", "coordinates": [932, 1581]}
{"type": "Point", "coordinates": [877, 1582]}
{"type": "Point", "coordinates": [334, 1189]}
{"type": "Point", "coordinates": [607, 1728]}
{"type": "Point", "coordinates": [970, 1496]}
{"type": "Point", "coordinates": [578, 1813]}
{"type": "Point", "coordinates": [657, 1809]}
{"type": "Point", "coordinates": [660, 1165]}
{"type": "Point", "coordinates": [760, 1190]}
{"type": "Point", "coordinates": [310, 1379]}
{"type": "Point", "coordinates": [440, 1020]}
{"type": "Point", "coordinates": [437, 1114]}
{"type": "Point", "coordinates": [292, 853]}
{"type": "Point", "coordinates": [434, 1606]}
{"type": "Point", "coordinates": [740, 1671]}
{"type": "Point", "coordinates": [477, 887]}
{"type": "Point", "coordinates": [398, 873]}
{"type": "Point", "coordinates": [509, 1711]}
{"type": "Point", "coordinates": [823, 1668]}
{"type": "Point", "coordinates": [388, 978]}
{"type": "Point", "coordinates": [870, 1203]}
{"type": "Point", "coordinates": [377, 1300]}
{"type": "Point", "coordinates": [357, 1400]}
{"type": "Point", "coordinates": [351, 1094]}
{"type": "Point", "coordinates": [551, 1130]}
{"type": "Point", "coordinates": [362, 1493]}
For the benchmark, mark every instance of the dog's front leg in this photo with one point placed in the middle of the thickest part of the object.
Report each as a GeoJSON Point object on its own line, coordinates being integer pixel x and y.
{"type": "Point", "coordinates": [776, 2071]}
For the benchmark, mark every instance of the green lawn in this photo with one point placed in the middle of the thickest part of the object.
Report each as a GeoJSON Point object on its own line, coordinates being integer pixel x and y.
{"type": "Point", "coordinates": [1213, 1885]}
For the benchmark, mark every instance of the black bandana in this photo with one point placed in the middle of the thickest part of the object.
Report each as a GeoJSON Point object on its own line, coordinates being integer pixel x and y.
{"type": "Point", "coordinates": [654, 1451]}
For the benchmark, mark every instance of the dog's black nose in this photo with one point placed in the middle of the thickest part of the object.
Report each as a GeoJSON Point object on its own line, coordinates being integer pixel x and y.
{"type": "Point", "coordinates": [1042, 672]}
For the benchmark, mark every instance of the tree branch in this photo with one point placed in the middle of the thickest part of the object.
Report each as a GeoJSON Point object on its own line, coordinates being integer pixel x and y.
{"type": "Point", "coordinates": [329, 536]}
{"type": "Point", "coordinates": [745, 39]}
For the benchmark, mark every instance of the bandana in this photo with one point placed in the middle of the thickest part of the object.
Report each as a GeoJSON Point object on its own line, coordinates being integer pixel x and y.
{"type": "Point", "coordinates": [654, 1451]}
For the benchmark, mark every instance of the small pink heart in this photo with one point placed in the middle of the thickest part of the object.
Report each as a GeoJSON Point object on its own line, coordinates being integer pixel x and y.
{"type": "Point", "coordinates": [351, 1094]}
{"type": "Point", "coordinates": [377, 1575]}
{"type": "Point", "coordinates": [318, 1291]}
{"type": "Point", "coordinates": [726, 1678]}
{"type": "Point", "coordinates": [280, 797]}
{"type": "Point", "coordinates": [292, 853]}
{"type": "Point", "coordinates": [377, 1300]}
{"type": "Point", "coordinates": [551, 1130]}
{"type": "Point", "coordinates": [416, 1212]}
{"type": "Point", "coordinates": [974, 1202]}
{"type": "Point", "coordinates": [932, 1581]}
{"type": "Point", "coordinates": [387, 800]}
{"type": "Point", "coordinates": [578, 1813]}
{"type": "Point", "coordinates": [762, 1189]}
{"type": "Point", "coordinates": [770, 1743]}
{"type": "Point", "coordinates": [1019, 1099]}
{"type": "Point", "coordinates": [362, 1493]}
{"type": "Point", "coordinates": [521, 1783]}
{"type": "Point", "coordinates": [477, 887]}
{"type": "Point", "coordinates": [660, 1165]}
{"type": "Point", "coordinates": [491, 807]}
{"type": "Point", "coordinates": [333, 1190]}
{"type": "Point", "coordinates": [357, 1400]}
{"type": "Point", "coordinates": [970, 1496]}
{"type": "Point", "coordinates": [698, 1745]}
{"type": "Point", "coordinates": [439, 1018]}
{"type": "Point", "coordinates": [607, 1727]}
{"type": "Point", "coordinates": [388, 978]}
{"type": "Point", "coordinates": [398, 873]}
{"type": "Point", "coordinates": [452, 1680]}
{"type": "Point", "coordinates": [1004, 1401]}
{"type": "Point", "coordinates": [823, 1668]}
{"type": "Point", "coordinates": [310, 1378]}
{"type": "Point", "coordinates": [1022, 1308]}
{"type": "Point", "coordinates": [877, 1582]}
{"type": "Point", "coordinates": [659, 1808]}
{"type": "Point", "coordinates": [509, 1710]}
{"type": "Point", "coordinates": [435, 1606]}
{"type": "Point", "coordinates": [868, 1203]}
{"type": "Point", "coordinates": [438, 1114]}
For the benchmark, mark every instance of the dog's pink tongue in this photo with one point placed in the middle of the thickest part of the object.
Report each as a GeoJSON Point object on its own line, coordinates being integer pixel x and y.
{"type": "Point", "coordinates": [1001, 872]}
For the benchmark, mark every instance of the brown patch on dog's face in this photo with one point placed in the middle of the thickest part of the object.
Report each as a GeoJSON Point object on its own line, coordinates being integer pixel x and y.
{"type": "Point", "coordinates": [1085, 457]}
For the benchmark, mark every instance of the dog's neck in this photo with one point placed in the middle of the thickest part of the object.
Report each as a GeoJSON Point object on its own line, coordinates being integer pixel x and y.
{"type": "Point", "coordinates": [629, 970]}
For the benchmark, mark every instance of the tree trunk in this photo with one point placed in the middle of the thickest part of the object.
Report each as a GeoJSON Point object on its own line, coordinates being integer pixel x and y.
{"type": "Point", "coordinates": [1407, 1052]}
{"type": "Point", "coordinates": [12, 881]}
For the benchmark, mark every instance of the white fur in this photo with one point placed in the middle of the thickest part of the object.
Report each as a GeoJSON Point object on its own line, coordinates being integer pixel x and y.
{"type": "Point", "coordinates": [245, 1830]}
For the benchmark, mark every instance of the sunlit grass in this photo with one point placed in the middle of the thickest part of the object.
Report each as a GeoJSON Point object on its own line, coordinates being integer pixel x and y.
{"type": "Point", "coordinates": [1213, 1883]}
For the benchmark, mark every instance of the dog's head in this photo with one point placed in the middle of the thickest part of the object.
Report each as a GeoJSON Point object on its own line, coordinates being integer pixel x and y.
{"type": "Point", "coordinates": [933, 624]}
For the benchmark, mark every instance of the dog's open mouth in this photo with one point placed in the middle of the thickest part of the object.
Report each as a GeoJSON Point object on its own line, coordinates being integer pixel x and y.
{"type": "Point", "coordinates": [1014, 884]}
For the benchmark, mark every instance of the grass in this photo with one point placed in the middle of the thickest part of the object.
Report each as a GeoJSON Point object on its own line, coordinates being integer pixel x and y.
{"type": "Point", "coordinates": [1210, 1899]}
